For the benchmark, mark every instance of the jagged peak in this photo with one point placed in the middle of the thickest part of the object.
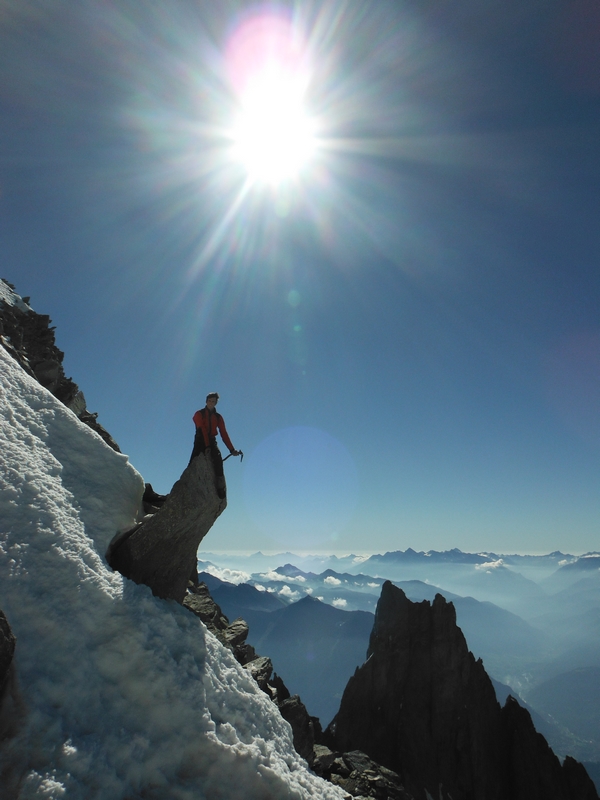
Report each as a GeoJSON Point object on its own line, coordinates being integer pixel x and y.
{"type": "Point", "coordinates": [422, 706]}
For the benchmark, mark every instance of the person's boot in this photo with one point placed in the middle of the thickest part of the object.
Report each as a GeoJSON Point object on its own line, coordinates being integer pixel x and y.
{"type": "Point", "coordinates": [221, 486]}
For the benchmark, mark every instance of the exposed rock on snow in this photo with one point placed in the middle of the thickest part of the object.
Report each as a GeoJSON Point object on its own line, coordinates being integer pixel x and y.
{"type": "Point", "coordinates": [294, 711]}
{"type": "Point", "coordinates": [29, 339]}
{"type": "Point", "coordinates": [7, 649]}
{"type": "Point", "coordinates": [261, 669]}
{"type": "Point", "coordinates": [422, 706]}
{"type": "Point", "coordinates": [233, 636]}
{"type": "Point", "coordinates": [162, 551]}
{"type": "Point", "coordinates": [10, 701]}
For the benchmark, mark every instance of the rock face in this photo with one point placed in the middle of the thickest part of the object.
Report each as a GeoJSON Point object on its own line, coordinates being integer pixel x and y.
{"type": "Point", "coordinates": [293, 710]}
{"type": "Point", "coordinates": [29, 339]}
{"type": "Point", "coordinates": [7, 649]}
{"type": "Point", "coordinates": [161, 551]}
{"type": "Point", "coordinates": [535, 771]}
{"type": "Point", "coordinates": [8, 699]}
{"type": "Point", "coordinates": [358, 775]}
{"type": "Point", "coordinates": [422, 706]}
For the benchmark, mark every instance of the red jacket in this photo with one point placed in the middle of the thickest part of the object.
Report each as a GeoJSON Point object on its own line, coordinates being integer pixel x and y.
{"type": "Point", "coordinates": [209, 422]}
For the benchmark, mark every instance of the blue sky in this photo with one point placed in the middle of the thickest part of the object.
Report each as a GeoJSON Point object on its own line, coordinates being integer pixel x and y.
{"type": "Point", "coordinates": [406, 338]}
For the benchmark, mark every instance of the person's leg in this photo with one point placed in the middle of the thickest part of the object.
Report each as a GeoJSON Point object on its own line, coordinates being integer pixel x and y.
{"type": "Point", "coordinates": [217, 461]}
{"type": "Point", "coordinates": [199, 446]}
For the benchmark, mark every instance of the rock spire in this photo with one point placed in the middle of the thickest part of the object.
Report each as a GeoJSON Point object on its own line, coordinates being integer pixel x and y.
{"type": "Point", "coordinates": [161, 551]}
{"type": "Point", "coordinates": [422, 706]}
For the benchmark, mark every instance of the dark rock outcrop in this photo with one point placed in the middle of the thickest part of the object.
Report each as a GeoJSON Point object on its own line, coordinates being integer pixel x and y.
{"type": "Point", "coordinates": [261, 669]}
{"type": "Point", "coordinates": [232, 635]}
{"type": "Point", "coordinates": [200, 603]}
{"type": "Point", "coordinates": [359, 775]}
{"type": "Point", "coordinates": [9, 701]}
{"type": "Point", "coordinates": [29, 339]}
{"type": "Point", "coordinates": [422, 706]}
{"type": "Point", "coordinates": [294, 711]}
{"type": "Point", "coordinates": [578, 782]}
{"type": "Point", "coordinates": [161, 551]}
{"type": "Point", "coordinates": [7, 650]}
{"type": "Point", "coordinates": [534, 770]}
{"type": "Point", "coordinates": [151, 502]}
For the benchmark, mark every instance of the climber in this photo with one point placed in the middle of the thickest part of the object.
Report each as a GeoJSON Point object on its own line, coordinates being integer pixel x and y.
{"type": "Point", "coordinates": [208, 421]}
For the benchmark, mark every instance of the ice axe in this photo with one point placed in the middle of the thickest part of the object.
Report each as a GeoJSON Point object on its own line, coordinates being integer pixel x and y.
{"type": "Point", "coordinates": [239, 453]}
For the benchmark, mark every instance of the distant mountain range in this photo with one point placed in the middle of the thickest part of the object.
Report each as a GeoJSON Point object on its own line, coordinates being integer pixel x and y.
{"type": "Point", "coordinates": [258, 562]}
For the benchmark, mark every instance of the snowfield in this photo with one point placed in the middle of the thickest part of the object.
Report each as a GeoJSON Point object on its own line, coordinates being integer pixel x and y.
{"type": "Point", "coordinates": [119, 694]}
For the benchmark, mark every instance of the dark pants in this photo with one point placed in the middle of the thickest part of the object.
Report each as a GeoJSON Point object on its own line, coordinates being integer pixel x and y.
{"type": "Point", "coordinates": [215, 455]}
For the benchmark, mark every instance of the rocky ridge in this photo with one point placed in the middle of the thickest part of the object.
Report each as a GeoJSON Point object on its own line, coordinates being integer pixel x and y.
{"type": "Point", "coordinates": [29, 338]}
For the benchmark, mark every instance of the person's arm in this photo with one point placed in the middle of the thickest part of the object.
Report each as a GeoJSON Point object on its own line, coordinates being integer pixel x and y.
{"type": "Point", "coordinates": [225, 435]}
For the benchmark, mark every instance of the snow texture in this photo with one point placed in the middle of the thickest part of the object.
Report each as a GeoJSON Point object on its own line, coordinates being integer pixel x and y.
{"type": "Point", "coordinates": [122, 695]}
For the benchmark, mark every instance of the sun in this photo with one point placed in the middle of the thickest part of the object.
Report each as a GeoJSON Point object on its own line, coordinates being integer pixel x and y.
{"type": "Point", "coordinates": [273, 135]}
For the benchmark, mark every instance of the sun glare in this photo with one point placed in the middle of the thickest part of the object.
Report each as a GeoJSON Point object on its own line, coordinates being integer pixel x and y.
{"type": "Point", "coordinates": [273, 136]}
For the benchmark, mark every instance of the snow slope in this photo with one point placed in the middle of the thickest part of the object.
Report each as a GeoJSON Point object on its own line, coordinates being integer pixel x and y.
{"type": "Point", "coordinates": [123, 695]}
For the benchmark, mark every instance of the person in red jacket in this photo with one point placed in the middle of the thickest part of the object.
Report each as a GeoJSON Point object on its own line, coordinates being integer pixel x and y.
{"type": "Point", "coordinates": [208, 421]}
